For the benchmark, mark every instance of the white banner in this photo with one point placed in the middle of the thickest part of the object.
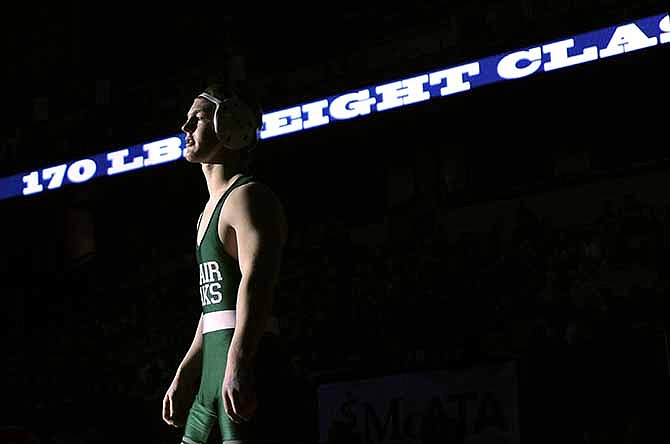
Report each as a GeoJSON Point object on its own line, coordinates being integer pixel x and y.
{"type": "Point", "coordinates": [469, 405]}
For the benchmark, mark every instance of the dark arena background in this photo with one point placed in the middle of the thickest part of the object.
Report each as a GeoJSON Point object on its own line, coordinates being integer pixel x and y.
{"type": "Point", "coordinates": [487, 267]}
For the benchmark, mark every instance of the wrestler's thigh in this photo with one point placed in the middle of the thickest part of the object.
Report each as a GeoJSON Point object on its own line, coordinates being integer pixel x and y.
{"type": "Point", "coordinates": [245, 441]}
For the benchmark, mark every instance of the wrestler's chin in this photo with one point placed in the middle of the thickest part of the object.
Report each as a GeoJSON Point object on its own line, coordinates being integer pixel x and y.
{"type": "Point", "coordinates": [189, 155]}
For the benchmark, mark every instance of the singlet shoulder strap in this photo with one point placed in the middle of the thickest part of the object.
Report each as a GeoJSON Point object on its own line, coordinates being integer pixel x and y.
{"type": "Point", "coordinates": [243, 179]}
{"type": "Point", "coordinates": [238, 182]}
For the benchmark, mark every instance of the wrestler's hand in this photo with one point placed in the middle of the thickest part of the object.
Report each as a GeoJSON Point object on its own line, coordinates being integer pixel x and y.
{"type": "Point", "coordinates": [177, 401]}
{"type": "Point", "coordinates": [238, 391]}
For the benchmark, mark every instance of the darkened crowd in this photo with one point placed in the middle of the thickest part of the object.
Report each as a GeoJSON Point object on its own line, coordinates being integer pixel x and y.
{"type": "Point", "coordinates": [583, 310]}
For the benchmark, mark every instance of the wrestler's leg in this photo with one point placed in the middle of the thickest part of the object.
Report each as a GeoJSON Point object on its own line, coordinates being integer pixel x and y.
{"type": "Point", "coordinates": [199, 424]}
{"type": "Point", "coordinates": [244, 441]}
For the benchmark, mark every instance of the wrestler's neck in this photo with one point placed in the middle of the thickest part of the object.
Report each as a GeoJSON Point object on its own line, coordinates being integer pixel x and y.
{"type": "Point", "coordinates": [219, 176]}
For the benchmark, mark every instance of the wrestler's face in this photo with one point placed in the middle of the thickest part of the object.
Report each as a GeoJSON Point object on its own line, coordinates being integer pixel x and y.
{"type": "Point", "coordinates": [202, 145]}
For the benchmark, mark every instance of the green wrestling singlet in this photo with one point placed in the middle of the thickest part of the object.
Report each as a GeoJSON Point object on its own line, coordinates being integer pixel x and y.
{"type": "Point", "coordinates": [219, 281]}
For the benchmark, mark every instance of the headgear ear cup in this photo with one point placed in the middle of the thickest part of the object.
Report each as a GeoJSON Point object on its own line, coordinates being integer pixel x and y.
{"type": "Point", "coordinates": [234, 121]}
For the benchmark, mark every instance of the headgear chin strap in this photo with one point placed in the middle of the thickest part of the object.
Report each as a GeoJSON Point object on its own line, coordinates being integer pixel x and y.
{"type": "Point", "coordinates": [234, 121]}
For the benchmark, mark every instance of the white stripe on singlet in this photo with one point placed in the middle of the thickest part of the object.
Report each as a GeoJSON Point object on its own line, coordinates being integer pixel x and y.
{"type": "Point", "coordinates": [225, 319]}
{"type": "Point", "coordinates": [187, 440]}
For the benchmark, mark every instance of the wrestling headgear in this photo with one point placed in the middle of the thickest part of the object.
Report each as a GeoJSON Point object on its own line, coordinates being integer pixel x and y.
{"type": "Point", "coordinates": [236, 123]}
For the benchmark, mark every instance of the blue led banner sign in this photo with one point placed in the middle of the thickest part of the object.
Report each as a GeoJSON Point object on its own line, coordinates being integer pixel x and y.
{"type": "Point", "coordinates": [583, 48]}
{"type": "Point", "coordinates": [83, 170]}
